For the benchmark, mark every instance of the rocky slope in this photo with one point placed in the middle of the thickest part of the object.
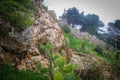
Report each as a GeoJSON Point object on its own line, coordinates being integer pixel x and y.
{"type": "Point", "coordinates": [15, 46]}
{"type": "Point", "coordinates": [90, 66]}
{"type": "Point", "coordinates": [21, 48]}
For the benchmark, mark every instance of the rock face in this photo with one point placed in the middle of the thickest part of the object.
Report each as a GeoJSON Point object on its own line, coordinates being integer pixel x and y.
{"type": "Point", "coordinates": [21, 48]}
{"type": "Point", "coordinates": [45, 29]}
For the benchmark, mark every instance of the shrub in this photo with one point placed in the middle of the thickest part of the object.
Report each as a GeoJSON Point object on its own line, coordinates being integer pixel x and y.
{"type": "Point", "coordinates": [116, 62]}
{"type": "Point", "coordinates": [42, 71]}
{"type": "Point", "coordinates": [19, 22]}
{"type": "Point", "coordinates": [58, 68]}
{"type": "Point", "coordinates": [8, 72]}
{"type": "Point", "coordinates": [65, 29]}
{"type": "Point", "coordinates": [80, 45]}
{"type": "Point", "coordinates": [17, 13]}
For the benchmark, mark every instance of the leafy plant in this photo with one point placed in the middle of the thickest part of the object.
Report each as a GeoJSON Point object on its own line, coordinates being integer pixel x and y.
{"type": "Point", "coordinates": [63, 70]}
{"type": "Point", "coordinates": [58, 68]}
{"type": "Point", "coordinates": [42, 71]}
{"type": "Point", "coordinates": [19, 22]}
{"type": "Point", "coordinates": [8, 72]}
{"type": "Point", "coordinates": [65, 29]}
{"type": "Point", "coordinates": [80, 45]}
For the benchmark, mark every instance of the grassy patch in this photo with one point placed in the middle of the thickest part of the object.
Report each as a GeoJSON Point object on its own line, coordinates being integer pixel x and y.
{"type": "Point", "coordinates": [8, 72]}
{"type": "Point", "coordinates": [17, 13]}
{"type": "Point", "coordinates": [82, 46]}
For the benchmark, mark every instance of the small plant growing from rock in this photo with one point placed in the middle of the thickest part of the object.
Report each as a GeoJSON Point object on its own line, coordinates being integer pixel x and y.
{"type": "Point", "coordinates": [58, 68]}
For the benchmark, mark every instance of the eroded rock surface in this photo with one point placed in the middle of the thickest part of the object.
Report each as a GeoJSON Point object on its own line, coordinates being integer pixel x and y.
{"type": "Point", "coordinates": [45, 29]}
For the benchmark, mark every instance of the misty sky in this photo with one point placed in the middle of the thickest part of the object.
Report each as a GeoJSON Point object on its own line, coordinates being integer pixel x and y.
{"type": "Point", "coordinates": [108, 10]}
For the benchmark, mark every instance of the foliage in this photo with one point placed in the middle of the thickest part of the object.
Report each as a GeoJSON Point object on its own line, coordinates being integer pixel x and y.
{"type": "Point", "coordinates": [89, 23]}
{"type": "Point", "coordinates": [62, 70]}
{"type": "Point", "coordinates": [72, 16]}
{"type": "Point", "coordinates": [17, 13]}
{"type": "Point", "coordinates": [42, 71]}
{"type": "Point", "coordinates": [113, 35]}
{"type": "Point", "coordinates": [8, 72]}
{"type": "Point", "coordinates": [111, 56]}
{"type": "Point", "coordinates": [80, 45]}
{"type": "Point", "coordinates": [117, 24]}
{"type": "Point", "coordinates": [65, 29]}
{"type": "Point", "coordinates": [105, 53]}
{"type": "Point", "coordinates": [58, 68]}
{"type": "Point", "coordinates": [19, 22]}
{"type": "Point", "coordinates": [116, 62]}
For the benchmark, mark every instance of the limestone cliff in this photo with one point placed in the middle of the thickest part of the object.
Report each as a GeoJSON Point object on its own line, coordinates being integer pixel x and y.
{"type": "Point", "coordinates": [26, 42]}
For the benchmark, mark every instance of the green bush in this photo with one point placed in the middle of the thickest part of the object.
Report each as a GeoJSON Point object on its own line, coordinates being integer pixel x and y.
{"type": "Point", "coordinates": [17, 13]}
{"type": "Point", "coordinates": [7, 7]}
{"type": "Point", "coordinates": [63, 71]}
{"type": "Point", "coordinates": [80, 45]}
{"type": "Point", "coordinates": [116, 61]}
{"type": "Point", "coordinates": [58, 67]}
{"type": "Point", "coordinates": [65, 29]}
{"type": "Point", "coordinates": [8, 72]}
{"type": "Point", "coordinates": [19, 22]}
{"type": "Point", "coordinates": [26, 3]}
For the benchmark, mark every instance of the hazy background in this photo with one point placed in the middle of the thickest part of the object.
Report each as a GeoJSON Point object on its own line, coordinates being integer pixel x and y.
{"type": "Point", "coordinates": [107, 10]}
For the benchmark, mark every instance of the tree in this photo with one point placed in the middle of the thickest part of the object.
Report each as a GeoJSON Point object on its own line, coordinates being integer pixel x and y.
{"type": "Point", "coordinates": [114, 33]}
{"type": "Point", "coordinates": [117, 24]}
{"type": "Point", "coordinates": [91, 23]}
{"type": "Point", "coordinates": [41, 0]}
{"type": "Point", "coordinates": [66, 29]}
{"type": "Point", "coordinates": [73, 16]}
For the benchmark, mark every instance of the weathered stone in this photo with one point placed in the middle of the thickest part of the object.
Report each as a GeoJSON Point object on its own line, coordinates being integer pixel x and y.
{"type": "Point", "coordinates": [36, 58]}
{"type": "Point", "coordinates": [45, 29]}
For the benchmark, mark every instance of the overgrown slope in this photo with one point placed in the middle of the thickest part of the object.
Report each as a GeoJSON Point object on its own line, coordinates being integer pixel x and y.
{"type": "Point", "coordinates": [32, 41]}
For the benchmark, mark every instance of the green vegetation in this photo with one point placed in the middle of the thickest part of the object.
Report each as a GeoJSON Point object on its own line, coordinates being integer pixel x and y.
{"type": "Point", "coordinates": [113, 37]}
{"type": "Point", "coordinates": [58, 68]}
{"type": "Point", "coordinates": [82, 46]}
{"type": "Point", "coordinates": [85, 47]}
{"type": "Point", "coordinates": [8, 72]}
{"type": "Point", "coordinates": [17, 13]}
{"type": "Point", "coordinates": [19, 21]}
{"type": "Point", "coordinates": [116, 62]}
{"type": "Point", "coordinates": [90, 23]}
{"type": "Point", "coordinates": [65, 29]}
